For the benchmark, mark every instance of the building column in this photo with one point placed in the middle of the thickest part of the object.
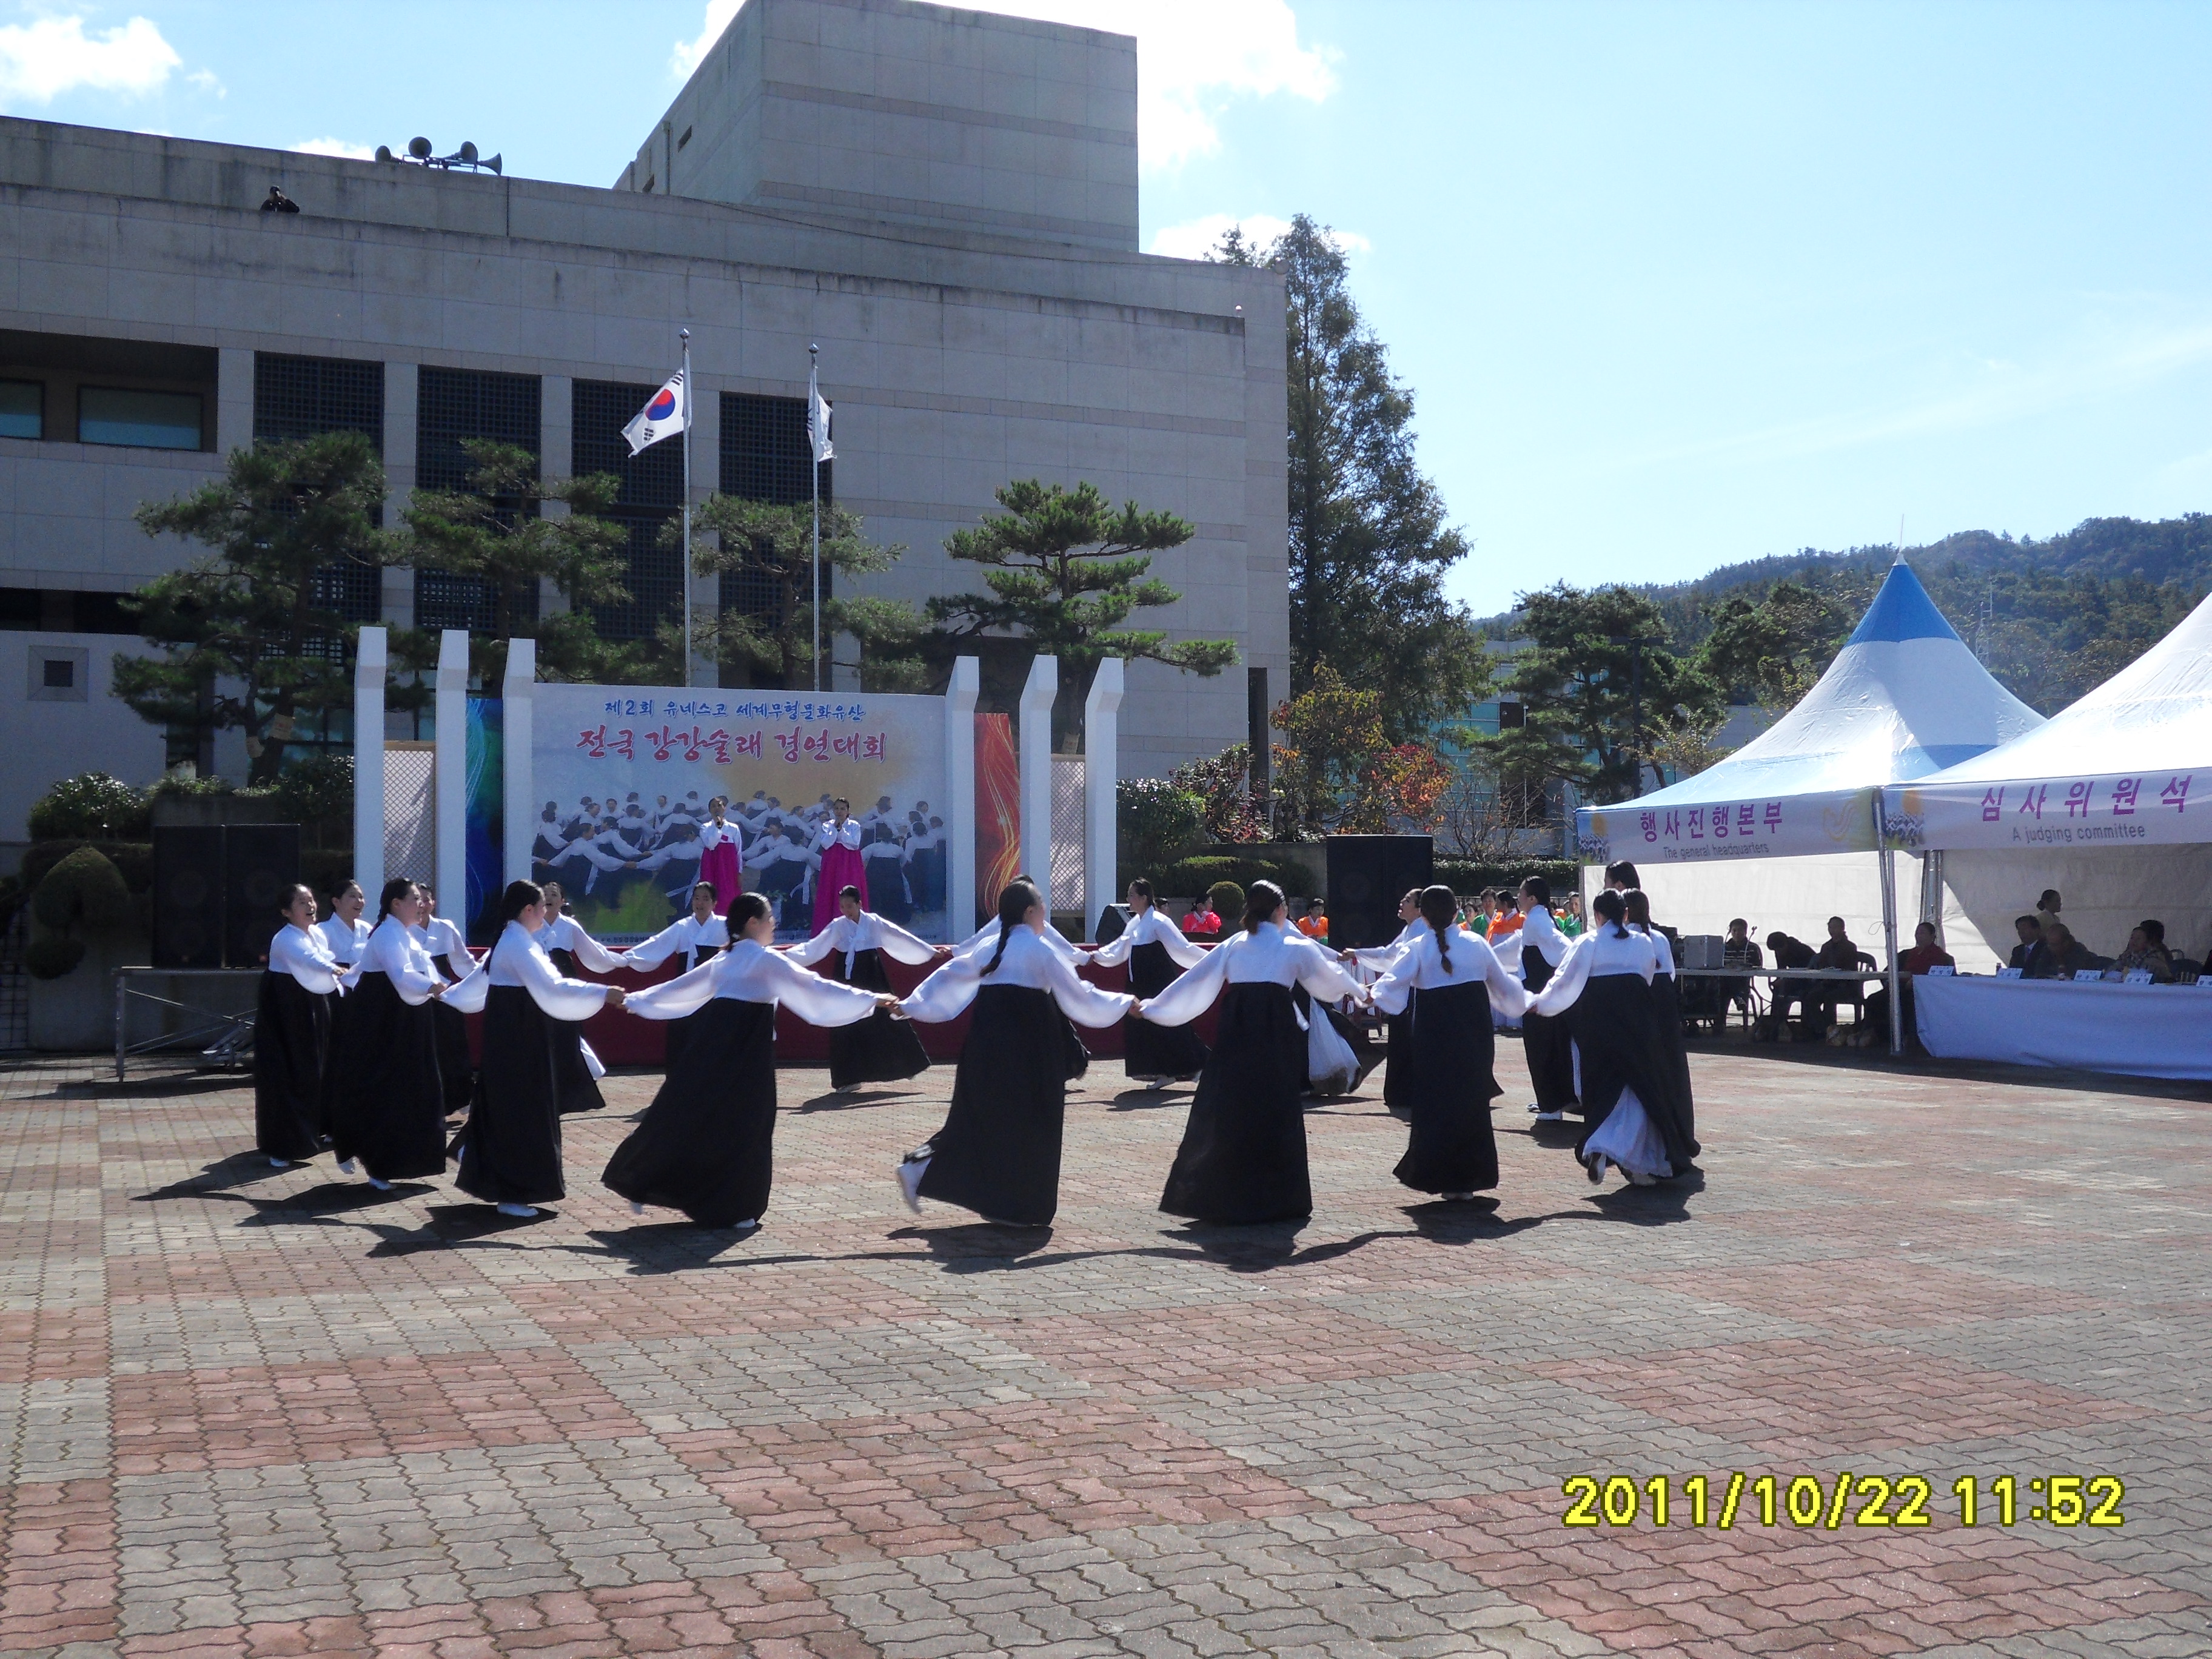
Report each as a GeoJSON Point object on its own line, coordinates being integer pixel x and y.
{"type": "Point", "coordinates": [368, 762]}
{"type": "Point", "coordinates": [234, 399]}
{"type": "Point", "coordinates": [960, 787]}
{"type": "Point", "coordinates": [399, 407]}
{"type": "Point", "coordinates": [706, 479]}
{"type": "Point", "coordinates": [450, 783]}
{"type": "Point", "coordinates": [1102, 745]}
{"type": "Point", "coordinates": [1036, 749]}
{"type": "Point", "coordinates": [520, 809]}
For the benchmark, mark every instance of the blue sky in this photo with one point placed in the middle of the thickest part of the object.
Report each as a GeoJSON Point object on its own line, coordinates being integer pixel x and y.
{"type": "Point", "coordinates": [1675, 285]}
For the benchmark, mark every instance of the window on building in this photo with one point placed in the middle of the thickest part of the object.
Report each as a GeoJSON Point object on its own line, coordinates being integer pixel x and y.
{"type": "Point", "coordinates": [138, 420]}
{"type": "Point", "coordinates": [22, 408]}
{"type": "Point", "coordinates": [766, 458]}
{"type": "Point", "coordinates": [61, 610]}
{"type": "Point", "coordinates": [452, 404]}
{"type": "Point", "coordinates": [652, 494]}
{"type": "Point", "coordinates": [298, 398]}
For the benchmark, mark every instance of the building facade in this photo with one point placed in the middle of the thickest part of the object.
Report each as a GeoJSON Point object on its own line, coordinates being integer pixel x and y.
{"type": "Point", "coordinates": [944, 201]}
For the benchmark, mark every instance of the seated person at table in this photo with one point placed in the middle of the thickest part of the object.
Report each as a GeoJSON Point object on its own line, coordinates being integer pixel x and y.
{"type": "Point", "coordinates": [1739, 950]}
{"type": "Point", "coordinates": [2060, 955]}
{"type": "Point", "coordinates": [2147, 950]}
{"type": "Point", "coordinates": [1925, 953]}
{"type": "Point", "coordinates": [1812, 1017]}
{"type": "Point", "coordinates": [1838, 952]}
{"type": "Point", "coordinates": [2030, 929]}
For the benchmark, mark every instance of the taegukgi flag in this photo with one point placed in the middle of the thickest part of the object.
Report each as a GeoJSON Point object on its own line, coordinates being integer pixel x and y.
{"type": "Point", "coordinates": [669, 410]}
{"type": "Point", "coordinates": [817, 421]}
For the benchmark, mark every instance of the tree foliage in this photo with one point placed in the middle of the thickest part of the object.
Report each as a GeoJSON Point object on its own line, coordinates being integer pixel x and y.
{"type": "Point", "coordinates": [1772, 652]}
{"type": "Point", "coordinates": [1368, 544]}
{"type": "Point", "coordinates": [1066, 569]}
{"type": "Point", "coordinates": [1223, 782]}
{"type": "Point", "coordinates": [1337, 771]}
{"type": "Point", "coordinates": [1159, 820]}
{"type": "Point", "coordinates": [91, 806]}
{"type": "Point", "coordinates": [248, 641]}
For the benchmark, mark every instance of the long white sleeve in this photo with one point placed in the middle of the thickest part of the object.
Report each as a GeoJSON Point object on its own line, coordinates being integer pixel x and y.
{"type": "Point", "coordinates": [1422, 970]}
{"type": "Point", "coordinates": [1596, 953]}
{"type": "Point", "coordinates": [468, 993]}
{"type": "Point", "coordinates": [1383, 957]}
{"type": "Point", "coordinates": [1194, 993]}
{"type": "Point", "coordinates": [1155, 927]}
{"type": "Point", "coordinates": [671, 940]}
{"type": "Point", "coordinates": [1082, 1001]}
{"type": "Point", "coordinates": [673, 998]}
{"type": "Point", "coordinates": [393, 951]}
{"type": "Point", "coordinates": [1664, 951]}
{"type": "Point", "coordinates": [834, 835]}
{"type": "Point", "coordinates": [945, 993]}
{"type": "Point", "coordinates": [1322, 976]}
{"type": "Point", "coordinates": [832, 938]}
{"type": "Point", "coordinates": [1567, 979]}
{"type": "Point", "coordinates": [568, 934]}
{"type": "Point", "coordinates": [305, 957]}
{"type": "Point", "coordinates": [895, 942]}
{"type": "Point", "coordinates": [1539, 930]}
{"type": "Point", "coordinates": [520, 959]}
{"type": "Point", "coordinates": [817, 1000]}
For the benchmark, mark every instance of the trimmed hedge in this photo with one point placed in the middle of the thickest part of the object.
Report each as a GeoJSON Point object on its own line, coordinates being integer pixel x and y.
{"type": "Point", "coordinates": [1187, 877]}
{"type": "Point", "coordinates": [83, 890]}
{"type": "Point", "coordinates": [1465, 876]}
{"type": "Point", "coordinates": [134, 860]}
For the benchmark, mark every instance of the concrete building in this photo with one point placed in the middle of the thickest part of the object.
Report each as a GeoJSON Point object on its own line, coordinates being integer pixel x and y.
{"type": "Point", "coordinates": [946, 201]}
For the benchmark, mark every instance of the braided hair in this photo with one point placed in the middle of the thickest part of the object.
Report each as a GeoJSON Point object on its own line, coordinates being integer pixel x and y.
{"type": "Point", "coordinates": [397, 888]}
{"type": "Point", "coordinates": [1440, 908]}
{"type": "Point", "coordinates": [1608, 906]}
{"type": "Point", "coordinates": [1638, 905]}
{"type": "Point", "coordinates": [1015, 903]}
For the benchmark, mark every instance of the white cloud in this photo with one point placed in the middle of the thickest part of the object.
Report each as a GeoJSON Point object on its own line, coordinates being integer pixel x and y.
{"type": "Point", "coordinates": [337, 147]}
{"type": "Point", "coordinates": [1193, 57]}
{"type": "Point", "coordinates": [208, 81]}
{"type": "Point", "coordinates": [1196, 238]}
{"type": "Point", "coordinates": [43, 59]}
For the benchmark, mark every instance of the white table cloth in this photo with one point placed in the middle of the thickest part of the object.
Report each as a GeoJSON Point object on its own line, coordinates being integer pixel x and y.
{"type": "Point", "coordinates": [2140, 1030]}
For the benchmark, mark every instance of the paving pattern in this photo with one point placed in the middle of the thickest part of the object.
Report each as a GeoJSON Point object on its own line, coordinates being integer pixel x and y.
{"type": "Point", "coordinates": [249, 1412]}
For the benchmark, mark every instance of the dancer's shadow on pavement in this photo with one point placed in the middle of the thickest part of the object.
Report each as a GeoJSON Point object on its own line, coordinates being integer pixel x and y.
{"type": "Point", "coordinates": [991, 1246]}
{"type": "Point", "coordinates": [1262, 1246]}
{"type": "Point", "coordinates": [845, 1100]}
{"type": "Point", "coordinates": [1148, 1100]}
{"type": "Point", "coordinates": [1660, 1205]}
{"type": "Point", "coordinates": [225, 1175]}
{"type": "Point", "coordinates": [1466, 1221]}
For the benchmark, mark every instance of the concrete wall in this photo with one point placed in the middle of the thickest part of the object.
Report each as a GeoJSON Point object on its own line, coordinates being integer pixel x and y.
{"type": "Point", "coordinates": [51, 735]}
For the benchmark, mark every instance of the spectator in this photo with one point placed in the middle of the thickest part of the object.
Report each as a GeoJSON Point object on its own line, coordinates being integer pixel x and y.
{"type": "Point", "coordinates": [2046, 907]}
{"type": "Point", "coordinates": [2030, 929]}
{"type": "Point", "coordinates": [1570, 920]}
{"type": "Point", "coordinates": [1925, 953]}
{"type": "Point", "coordinates": [2147, 950]}
{"type": "Point", "coordinates": [1506, 918]}
{"type": "Point", "coordinates": [1202, 922]}
{"type": "Point", "coordinates": [2060, 955]}
{"type": "Point", "coordinates": [1812, 1016]}
{"type": "Point", "coordinates": [1620, 878]}
{"type": "Point", "coordinates": [1315, 923]}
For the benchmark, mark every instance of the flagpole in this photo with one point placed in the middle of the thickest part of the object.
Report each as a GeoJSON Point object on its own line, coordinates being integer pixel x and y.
{"type": "Point", "coordinates": [813, 355]}
{"type": "Point", "coordinates": [687, 507]}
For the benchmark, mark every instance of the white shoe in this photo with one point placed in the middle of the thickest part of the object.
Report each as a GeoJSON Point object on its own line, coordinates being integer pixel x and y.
{"type": "Point", "coordinates": [636, 1208]}
{"type": "Point", "coordinates": [345, 1166]}
{"type": "Point", "coordinates": [910, 1180]}
{"type": "Point", "coordinates": [522, 1211]}
{"type": "Point", "coordinates": [1548, 1117]}
{"type": "Point", "coordinates": [380, 1186]}
{"type": "Point", "coordinates": [1457, 1197]}
{"type": "Point", "coordinates": [280, 1163]}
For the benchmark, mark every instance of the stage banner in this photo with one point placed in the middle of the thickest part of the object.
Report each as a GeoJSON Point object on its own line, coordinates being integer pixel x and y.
{"type": "Point", "coordinates": [1840, 821]}
{"type": "Point", "coordinates": [2168, 807]}
{"type": "Point", "coordinates": [486, 815]}
{"type": "Point", "coordinates": [622, 776]}
{"type": "Point", "coordinates": [998, 810]}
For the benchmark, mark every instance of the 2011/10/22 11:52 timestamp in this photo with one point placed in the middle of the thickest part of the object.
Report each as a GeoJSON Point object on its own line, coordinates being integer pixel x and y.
{"type": "Point", "coordinates": [1868, 1500]}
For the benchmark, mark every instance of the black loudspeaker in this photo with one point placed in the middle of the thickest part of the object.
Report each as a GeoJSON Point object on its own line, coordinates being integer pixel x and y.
{"type": "Point", "coordinates": [260, 863]}
{"type": "Point", "coordinates": [1367, 876]}
{"type": "Point", "coordinates": [188, 897]}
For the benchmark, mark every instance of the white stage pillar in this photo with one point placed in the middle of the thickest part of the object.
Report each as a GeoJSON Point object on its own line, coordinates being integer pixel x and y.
{"type": "Point", "coordinates": [450, 797]}
{"type": "Point", "coordinates": [960, 786]}
{"type": "Point", "coordinates": [1035, 740]}
{"type": "Point", "coordinates": [519, 807]}
{"type": "Point", "coordinates": [1101, 773]}
{"type": "Point", "coordinates": [368, 671]}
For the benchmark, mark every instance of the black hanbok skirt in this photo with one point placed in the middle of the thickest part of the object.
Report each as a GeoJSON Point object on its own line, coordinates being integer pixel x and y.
{"type": "Point", "coordinates": [887, 889]}
{"type": "Point", "coordinates": [510, 1149]}
{"type": "Point", "coordinates": [1397, 1060]}
{"type": "Point", "coordinates": [1158, 1051]}
{"type": "Point", "coordinates": [707, 1145]}
{"type": "Point", "coordinates": [291, 1051]}
{"type": "Point", "coordinates": [455, 1068]}
{"type": "Point", "coordinates": [1449, 1086]}
{"type": "Point", "coordinates": [385, 1099]}
{"type": "Point", "coordinates": [998, 1151]}
{"type": "Point", "coordinates": [1545, 1041]}
{"type": "Point", "coordinates": [878, 1049]}
{"type": "Point", "coordinates": [679, 1030]}
{"type": "Point", "coordinates": [579, 1091]}
{"type": "Point", "coordinates": [1243, 1152]}
{"type": "Point", "coordinates": [1617, 1041]}
{"type": "Point", "coordinates": [1667, 1014]}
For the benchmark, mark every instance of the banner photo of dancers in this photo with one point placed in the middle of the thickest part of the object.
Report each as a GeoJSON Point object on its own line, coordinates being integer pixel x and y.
{"type": "Point", "coordinates": [643, 792]}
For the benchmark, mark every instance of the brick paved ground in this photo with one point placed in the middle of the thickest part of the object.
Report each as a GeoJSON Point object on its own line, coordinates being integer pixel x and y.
{"type": "Point", "coordinates": [254, 1413]}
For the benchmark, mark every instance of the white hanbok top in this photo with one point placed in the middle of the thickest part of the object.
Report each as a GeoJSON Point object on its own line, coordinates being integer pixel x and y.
{"type": "Point", "coordinates": [1154, 927]}
{"type": "Point", "coordinates": [712, 834]}
{"type": "Point", "coordinates": [986, 941]}
{"type": "Point", "coordinates": [1665, 952]}
{"type": "Point", "coordinates": [836, 834]}
{"type": "Point", "coordinates": [519, 962]}
{"type": "Point", "coordinates": [1383, 957]}
{"type": "Point", "coordinates": [395, 952]}
{"type": "Point", "coordinates": [1538, 929]}
{"type": "Point", "coordinates": [871, 933]}
{"type": "Point", "coordinates": [439, 937]}
{"type": "Point", "coordinates": [1596, 953]}
{"type": "Point", "coordinates": [1031, 962]}
{"type": "Point", "coordinates": [301, 952]}
{"type": "Point", "coordinates": [687, 934]}
{"type": "Point", "coordinates": [1267, 955]}
{"type": "Point", "coordinates": [750, 972]}
{"type": "Point", "coordinates": [345, 940]}
{"type": "Point", "coordinates": [566, 934]}
{"type": "Point", "coordinates": [1422, 969]}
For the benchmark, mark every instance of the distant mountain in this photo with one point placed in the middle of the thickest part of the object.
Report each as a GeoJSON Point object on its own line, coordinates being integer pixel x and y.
{"type": "Point", "coordinates": [2049, 618]}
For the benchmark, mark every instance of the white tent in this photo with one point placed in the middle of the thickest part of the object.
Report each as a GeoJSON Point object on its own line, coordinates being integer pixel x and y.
{"type": "Point", "coordinates": [1782, 832]}
{"type": "Point", "coordinates": [2110, 802]}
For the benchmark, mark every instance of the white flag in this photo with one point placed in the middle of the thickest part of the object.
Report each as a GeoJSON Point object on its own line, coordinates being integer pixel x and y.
{"type": "Point", "coordinates": [669, 410]}
{"type": "Point", "coordinates": [817, 421]}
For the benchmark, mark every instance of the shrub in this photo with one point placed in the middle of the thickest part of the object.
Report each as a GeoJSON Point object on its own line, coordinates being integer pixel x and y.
{"type": "Point", "coordinates": [85, 890]}
{"type": "Point", "coordinates": [1467, 876]}
{"type": "Point", "coordinates": [1227, 899]}
{"type": "Point", "coordinates": [317, 788]}
{"type": "Point", "coordinates": [135, 858]}
{"type": "Point", "coordinates": [91, 806]}
{"type": "Point", "coordinates": [1159, 820]}
{"type": "Point", "coordinates": [1199, 875]}
{"type": "Point", "coordinates": [50, 955]}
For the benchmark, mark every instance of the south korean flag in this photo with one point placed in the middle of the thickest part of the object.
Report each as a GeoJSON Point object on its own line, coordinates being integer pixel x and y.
{"type": "Point", "coordinates": [669, 412]}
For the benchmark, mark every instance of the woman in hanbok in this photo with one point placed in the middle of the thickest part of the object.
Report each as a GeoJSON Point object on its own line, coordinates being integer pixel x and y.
{"type": "Point", "coordinates": [878, 1049]}
{"type": "Point", "coordinates": [998, 1151]}
{"type": "Point", "coordinates": [985, 939]}
{"type": "Point", "coordinates": [721, 855]}
{"type": "Point", "coordinates": [345, 934]}
{"type": "Point", "coordinates": [1544, 1042]}
{"type": "Point", "coordinates": [707, 1144]}
{"type": "Point", "coordinates": [1380, 959]}
{"type": "Point", "coordinates": [292, 1037]}
{"type": "Point", "coordinates": [1454, 983]}
{"type": "Point", "coordinates": [1158, 953]}
{"type": "Point", "coordinates": [510, 1149]}
{"type": "Point", "coordinates": [695, 938]}
{"type": "Point", "coordinates": [570, 948]}
{"type": "Point", "coordinates": [386, 1101]}
{"type": "Point", "coordinates": [1243, 1152]}
{"type": "Point", "coordinates": [1667, 1018]}
{"type": "Point", "coordinates": [1621, 1073]}
{"type": "Point", "coordinates": [449, 954]}
{"type": "Point", "coordinates": [837, 844]}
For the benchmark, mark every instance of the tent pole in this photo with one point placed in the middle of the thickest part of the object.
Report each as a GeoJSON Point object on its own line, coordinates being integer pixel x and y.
{"type": "Point", "coordinates": [1887, 861]}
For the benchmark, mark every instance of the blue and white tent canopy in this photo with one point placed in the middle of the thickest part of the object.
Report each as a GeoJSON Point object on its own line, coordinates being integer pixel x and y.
{"type": "Point", "coordinates": [1903, 699]}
